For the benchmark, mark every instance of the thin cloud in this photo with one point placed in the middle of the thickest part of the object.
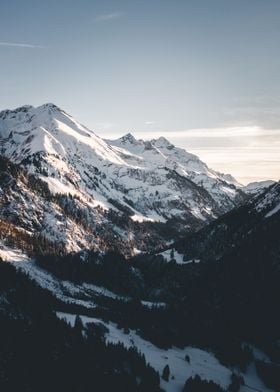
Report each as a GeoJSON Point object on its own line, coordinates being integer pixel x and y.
{"type": "Point", "coordinates": [150, 122]}
{"type": "Point", "coordinates": [109, 16]}
{"type": "Point", "coordinates": [21, 45]}
{"type": "Point", "coordinates": [216, 133]}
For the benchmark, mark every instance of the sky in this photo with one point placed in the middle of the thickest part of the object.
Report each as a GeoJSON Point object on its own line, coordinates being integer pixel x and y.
{"type": "Point", "coordinates": [204, 74]}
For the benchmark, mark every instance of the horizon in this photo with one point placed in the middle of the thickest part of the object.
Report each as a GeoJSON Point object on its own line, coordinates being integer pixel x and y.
{"type": "Point", "coordinates": [203, 75]}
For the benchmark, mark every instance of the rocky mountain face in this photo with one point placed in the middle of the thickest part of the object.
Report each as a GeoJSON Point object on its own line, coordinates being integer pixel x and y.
{"type": "Point", "coordinates": [105, 186]}
{"type": "Point", "coordinates": [255, 222]}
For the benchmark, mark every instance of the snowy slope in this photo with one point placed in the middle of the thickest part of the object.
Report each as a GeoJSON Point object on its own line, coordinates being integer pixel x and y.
{"type": "Point", "coordinates": [81, 294]}
{"type": "Point", "coordinates": [50, 130]}
{"type": "Point", "coordinates": [160, 153]}
{"type": "Point", "coordinates": [154, 180]}
{"type": "Point", "coordinates": [201, 362]}
{"type": "Point", "coordinates": [257, 219]}
{"type": "Point", "coordinates": [26, 206]}
{"type": "Point", "coordinates": [255, 187]}
{"type": "Point", "coordinates": [267, 202]}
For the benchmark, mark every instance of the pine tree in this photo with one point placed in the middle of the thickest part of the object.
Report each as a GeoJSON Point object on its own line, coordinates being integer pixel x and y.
{"type": "Point", "coordinates": [166, 373]}
{"type": "Point", "coordinates": [78, 326]}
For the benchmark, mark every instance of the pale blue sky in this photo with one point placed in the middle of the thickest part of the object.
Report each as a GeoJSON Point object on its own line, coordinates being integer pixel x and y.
{"type": "Point", "coordinates": [152, 67]}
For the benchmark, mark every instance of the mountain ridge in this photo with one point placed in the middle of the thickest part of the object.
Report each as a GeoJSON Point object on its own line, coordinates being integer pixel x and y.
{"type": "Point", "coordinates": [126, 180]}
{"type": "Point", "coordinates": [62, 142]}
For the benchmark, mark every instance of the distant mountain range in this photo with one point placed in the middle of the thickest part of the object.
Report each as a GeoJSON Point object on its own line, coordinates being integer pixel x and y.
{"type": "Point", "coordinates": [254, 187]}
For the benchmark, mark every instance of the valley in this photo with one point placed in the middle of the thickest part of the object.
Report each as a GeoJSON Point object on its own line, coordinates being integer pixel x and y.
{"type": "Point", "coordinates": [136, 248]}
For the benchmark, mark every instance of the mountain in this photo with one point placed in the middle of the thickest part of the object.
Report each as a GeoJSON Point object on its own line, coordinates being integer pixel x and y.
{"type": "Point", "coordinates": [180, 314]}
{"type": "Point", "coordinates": [107, 187]}
{"type": "Point", "coordinates": [256, 221]}
{"type": "Point", "coordinates": [91, 222]}
{"type": "Point", "coordinates": [160, 153]}
{"type": "Point", "coordinates": [257, 186]}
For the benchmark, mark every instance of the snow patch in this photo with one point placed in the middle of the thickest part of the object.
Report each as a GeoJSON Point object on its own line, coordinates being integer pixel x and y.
{"type": "Point", "coordinates": [201, 362]}
{"type": "Point", "coordinates": [273, 211]}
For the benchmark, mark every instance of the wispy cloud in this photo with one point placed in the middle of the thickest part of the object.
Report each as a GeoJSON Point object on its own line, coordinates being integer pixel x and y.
{"type": "Point", "coordinates": [20, 45]}
{"type": "Point", "coordinates": [150, 122]}
{"type": "Point", "coordinates": [237, 133]}
{"type": "Point", "coordinates": [109, 16]}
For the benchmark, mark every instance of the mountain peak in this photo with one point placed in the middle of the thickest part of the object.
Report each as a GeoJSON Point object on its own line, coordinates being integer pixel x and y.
{"type": "Point", "coordinates": [128, 138]}
{"type": "Point", "coordinates": [71, 157]}
{"type": "Point", "coordinates": [162, 142]}
{"type": "Point", "coordinates": [20, 109]}
{"type": "Point", "coordinates": [27, 110]}
{"type": "Point", "coordinates": [49, 106]}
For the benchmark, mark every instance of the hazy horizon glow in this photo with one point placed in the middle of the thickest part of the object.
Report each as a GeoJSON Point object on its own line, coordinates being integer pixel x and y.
{"type": "Point", "coordinates": [249, 147]}
{"type": "Point", "coordinates": [154, 67]}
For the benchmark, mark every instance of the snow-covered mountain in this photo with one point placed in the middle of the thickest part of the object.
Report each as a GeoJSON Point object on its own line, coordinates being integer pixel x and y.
{"type": "Point", "coordinates": [146, 180]}
{"type": "Point", "coordinates": [254, 187]}
{"type": "Point", "coordinates": [161, 154]}
{"type": "Point", "coordinates": [63, 189]}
